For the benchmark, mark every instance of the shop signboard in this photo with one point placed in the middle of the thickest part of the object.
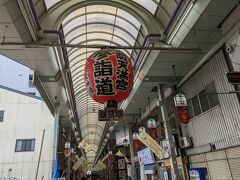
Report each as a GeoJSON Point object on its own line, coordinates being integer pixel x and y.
{"type": "Point", "coordinates": [233, 77]}
{"type": "Point", "coordinates": [146, 156]}
{"type": "Point", "coordinates": [121, 163]}
{"type": "Point", "coordinates": [78, 163]}
{"type": "Point", "coordinates": [151, 144]}
{"type": "Point", "coordinates": [110, 115]}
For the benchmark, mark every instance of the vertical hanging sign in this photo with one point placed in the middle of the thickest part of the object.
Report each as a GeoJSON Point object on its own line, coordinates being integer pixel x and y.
{"type": "Point", "coordinates": [180, 102]}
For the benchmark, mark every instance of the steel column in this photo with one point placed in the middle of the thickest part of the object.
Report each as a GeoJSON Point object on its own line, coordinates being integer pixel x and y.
{"type": "Point", "coordinates": [173, 162]}
{"type": "Point", "coordinates": [133, 169]}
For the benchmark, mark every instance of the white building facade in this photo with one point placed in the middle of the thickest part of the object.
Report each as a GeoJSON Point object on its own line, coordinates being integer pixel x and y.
{"type": "Point", "coordinates": [214, 107]}
{"type": "Point", "coordinates": [25, 122]}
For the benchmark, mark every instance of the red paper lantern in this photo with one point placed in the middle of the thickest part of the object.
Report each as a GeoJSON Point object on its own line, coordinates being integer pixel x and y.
{"type": "Point", "coordinates": [109, 75]}
{"type": "Point", "coordinates": [152, 132]}
{"type": "Point", "coordinates": [183, 115]}
{"type": "Point", "coordinates": [137, 145]}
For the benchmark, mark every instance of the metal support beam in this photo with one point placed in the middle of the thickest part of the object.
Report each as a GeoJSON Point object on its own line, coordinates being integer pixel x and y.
{"type": "Point", "coordinates": [31, 45]}
{"type": "Point", "coordinates": [37, 82]}
{"type": "Point", "coordinates": [173, 162]}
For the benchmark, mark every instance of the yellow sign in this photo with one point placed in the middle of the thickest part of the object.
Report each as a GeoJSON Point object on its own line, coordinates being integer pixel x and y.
{"type": "Point", "coordinates": [83, 144]}
{"type": "Point", "coordinates": [100, 166]}
{"type": "Point", "coordinates": [151, 144]}
{"type": "Point", "coordinates": [85, 166]}
{"type": "Point", "coordinates": [81, 161]}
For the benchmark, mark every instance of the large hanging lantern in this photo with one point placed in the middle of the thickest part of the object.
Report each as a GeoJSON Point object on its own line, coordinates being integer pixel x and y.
{"type": "Point", "coordinates": [109, 75]}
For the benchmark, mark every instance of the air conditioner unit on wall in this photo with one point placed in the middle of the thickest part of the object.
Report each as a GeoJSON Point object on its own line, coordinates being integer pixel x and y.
{"type": "Point", "coordinates": [185, 142]}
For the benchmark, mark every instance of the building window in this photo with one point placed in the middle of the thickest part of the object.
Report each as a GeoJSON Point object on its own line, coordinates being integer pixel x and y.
{"type": "Point", "coordinates": [23, 145]}
{"type": "Point", "coordinates": [1, 116]}
{"type": "Point", "coordinates": [212, 94]}
{"type": "Point", "coordinates": [30, 81]}
{"type": "Point", "coordinates": [196, 105]}
{"type": "Point", "coordinates": [190, 108]}
{"type": "Point", "coordinates": [203, 101]}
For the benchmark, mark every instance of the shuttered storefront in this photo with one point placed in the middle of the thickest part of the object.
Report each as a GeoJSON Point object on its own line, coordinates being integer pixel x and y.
{"type": "Point", "coordinates": [233, 155]}
{"type": "Point", "coordinates": [221, 165]}
{"type": "Point", "coordinates": [198, 161]}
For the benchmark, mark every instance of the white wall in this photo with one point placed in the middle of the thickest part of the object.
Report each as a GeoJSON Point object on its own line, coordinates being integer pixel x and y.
{"type": "Point", "coordinates": [220, 125]}
{"type": "Point", "coordinates": [15, 75]}
{"type": "Point", "coordinates": [24, 118]}
{"type": "Point", "coordinates": [231, 28]}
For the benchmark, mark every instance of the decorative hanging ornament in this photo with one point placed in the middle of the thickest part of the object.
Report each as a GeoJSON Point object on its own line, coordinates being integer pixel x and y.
{"type": "Point", "coordinates": [183, 115]}
{"type": "Point", "coordinates": [108, 75]}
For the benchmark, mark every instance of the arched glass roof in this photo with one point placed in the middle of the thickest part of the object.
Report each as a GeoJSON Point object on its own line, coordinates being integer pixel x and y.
{"type": "Point", "coordinates": [102, 25]}
{"type": "Point", "coordinates": [150, 5]}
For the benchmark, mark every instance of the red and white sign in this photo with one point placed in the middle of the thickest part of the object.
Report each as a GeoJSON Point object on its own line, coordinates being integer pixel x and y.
{"type": "Point", "coordinates": [181, 106]}
{"type": "Point", "coordinates": [180, 100]}
{"type": "Point", "coordinates": [109, 75]}
{"type": "Point", "coordinates": [183, 115]}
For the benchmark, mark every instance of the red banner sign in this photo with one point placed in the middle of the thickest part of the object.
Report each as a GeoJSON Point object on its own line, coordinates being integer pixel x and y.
{"type": "Point", "coordinates": [183, 115]}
